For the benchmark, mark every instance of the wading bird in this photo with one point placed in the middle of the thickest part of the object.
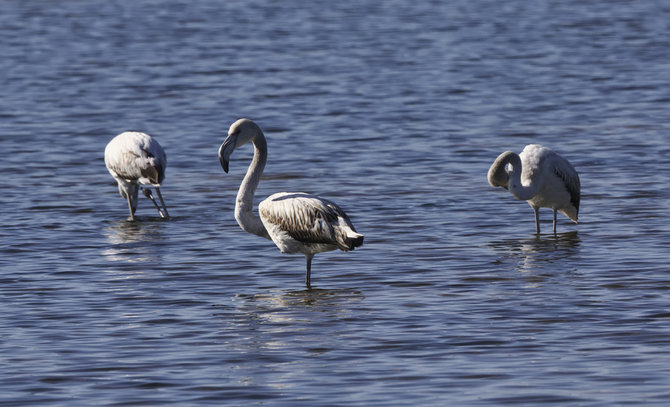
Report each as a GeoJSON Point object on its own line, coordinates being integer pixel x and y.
{"type": "Point", "coordinates": [135, 159]}
{"type": "Point", "coordinates": [541, 177]}
{"type": "Point", "coordinates": [295, 221]}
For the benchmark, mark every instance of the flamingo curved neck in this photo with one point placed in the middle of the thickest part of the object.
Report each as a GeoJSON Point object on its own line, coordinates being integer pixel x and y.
{"type": "Point", "coordinates": [244, 203]}
{"type": "Point", "coordinates": [516, 188]}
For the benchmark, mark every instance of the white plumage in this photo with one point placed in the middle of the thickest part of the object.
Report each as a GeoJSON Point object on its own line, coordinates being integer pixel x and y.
{"type": "Point", "coordinates": [541, 177]}
{"type": "Point", "coordinates": [295, 221]}
{"type": "Point", "coordinates": [134, 159]}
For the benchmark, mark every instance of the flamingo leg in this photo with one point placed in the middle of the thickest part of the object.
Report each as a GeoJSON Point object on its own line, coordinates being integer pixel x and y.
{"type": "Point", "coordinates": [554, 221]}
{"type": "Point", "coordinates": [308, 283]}
{"type": "Point", "coordinates": [160, 197]}
{"type": "Point", "coordinates": [537, 220]}
{"type": "Point", "coordinates": [130, 208]}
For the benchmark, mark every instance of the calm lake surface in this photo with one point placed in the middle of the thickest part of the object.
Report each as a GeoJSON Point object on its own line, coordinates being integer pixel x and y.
{"type": "Point", "coordinates": [395, 110]}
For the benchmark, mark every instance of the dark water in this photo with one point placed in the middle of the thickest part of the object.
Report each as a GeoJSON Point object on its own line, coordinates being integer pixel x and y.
{"type": "Point", "coordinates": [395, 110]}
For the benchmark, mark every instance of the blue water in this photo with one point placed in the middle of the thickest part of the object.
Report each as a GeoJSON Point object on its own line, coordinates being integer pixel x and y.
{"type": "Point", "coordinates": [395, 110]}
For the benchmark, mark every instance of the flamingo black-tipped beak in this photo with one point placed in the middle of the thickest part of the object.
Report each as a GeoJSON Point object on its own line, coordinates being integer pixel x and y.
{"type": "Point", "coordinates": [225, 151]}
{"type": "Point", "coordinates": [222, 160]}
{"type": "Point", "coordinates": [227, 148]}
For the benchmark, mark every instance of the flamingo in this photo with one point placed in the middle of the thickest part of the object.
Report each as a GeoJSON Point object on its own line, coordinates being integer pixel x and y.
{"type": "Point", "coordinates": [134, 158]}
{"type": "Point", "coordinates": [541, 177]}
{"type": "Point", "coordinates": [295, 221]}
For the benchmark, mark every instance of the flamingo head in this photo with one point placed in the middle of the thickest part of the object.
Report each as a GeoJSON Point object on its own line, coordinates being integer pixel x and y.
{"type": "Point", "coordinates": [240, 133]}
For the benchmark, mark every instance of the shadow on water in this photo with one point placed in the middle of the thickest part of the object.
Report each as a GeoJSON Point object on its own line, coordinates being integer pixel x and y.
{"type": "Point", "coordinates": [539, 252]}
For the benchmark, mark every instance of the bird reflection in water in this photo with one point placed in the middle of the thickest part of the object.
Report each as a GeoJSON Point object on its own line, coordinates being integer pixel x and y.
{"type": "Point", "coordinates": [278, 306]}
{"type": "Point", "coordinates": [132, 242]}
{"type": "Point", "coordinates": [538, 253]}
{"type": "Point", "coordinates": [278, 322]}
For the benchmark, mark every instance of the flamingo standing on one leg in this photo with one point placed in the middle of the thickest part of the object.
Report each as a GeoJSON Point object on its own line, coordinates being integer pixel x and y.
{"type": "Point", "coordinates": [295, 221]}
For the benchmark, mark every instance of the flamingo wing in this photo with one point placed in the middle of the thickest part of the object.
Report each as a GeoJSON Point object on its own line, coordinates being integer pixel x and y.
{"type": "Point", "coordinates": [570, 178]}
{"type": "Point", "coordinates": [308, 219]}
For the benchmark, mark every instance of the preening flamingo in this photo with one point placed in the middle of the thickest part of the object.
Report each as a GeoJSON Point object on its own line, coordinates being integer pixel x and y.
{"type": "Point", "coordinates": [541, 177]}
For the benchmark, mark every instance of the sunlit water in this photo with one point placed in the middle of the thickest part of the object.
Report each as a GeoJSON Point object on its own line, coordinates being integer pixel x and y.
{"type": "Point", "coordinates": [395, 110]}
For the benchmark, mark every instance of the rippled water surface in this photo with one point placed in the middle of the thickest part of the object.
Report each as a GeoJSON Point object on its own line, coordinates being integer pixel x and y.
{"type": "Point", "coordinates": [395, 110]}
